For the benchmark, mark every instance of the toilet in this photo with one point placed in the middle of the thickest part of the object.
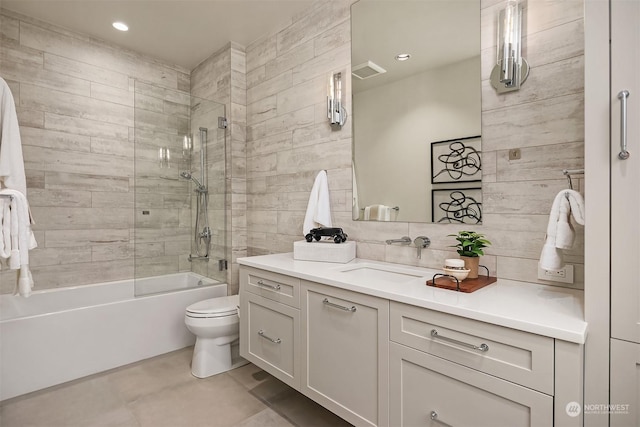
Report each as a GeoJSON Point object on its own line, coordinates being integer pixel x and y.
{"type": "Point", "coordinates": [215, 323]}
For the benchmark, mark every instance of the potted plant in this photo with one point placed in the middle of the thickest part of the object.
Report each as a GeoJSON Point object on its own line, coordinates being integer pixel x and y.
{"type": "Point", "coordinates": [470, 248]}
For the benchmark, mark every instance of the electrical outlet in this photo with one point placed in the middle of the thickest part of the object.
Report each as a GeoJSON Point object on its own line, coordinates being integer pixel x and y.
{"type": "Point", "coordinates": [515, 154]}
{"type": "Point", "coordinates": [562, 275]}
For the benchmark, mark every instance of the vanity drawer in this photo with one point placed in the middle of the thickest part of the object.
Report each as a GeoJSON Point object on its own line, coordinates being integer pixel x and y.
{"type": "Point", "coordinates": [516, 356]}
{"type": "Point", "coordinates": [269, 334]}
{"type": "Point", "coordinates": [277, 287]}
{"type": "Point", "coordinates": [427, 390]}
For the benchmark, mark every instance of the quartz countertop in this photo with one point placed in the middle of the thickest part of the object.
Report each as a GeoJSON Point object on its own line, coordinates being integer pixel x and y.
{"type": "Point", "coordinates": [540, 309]}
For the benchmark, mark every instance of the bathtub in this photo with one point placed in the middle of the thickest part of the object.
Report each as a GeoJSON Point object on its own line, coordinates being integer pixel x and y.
{"type": "Point", "coordinates": [59, 335]}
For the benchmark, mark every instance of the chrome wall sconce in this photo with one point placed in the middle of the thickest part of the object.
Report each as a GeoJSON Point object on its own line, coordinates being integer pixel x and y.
{"type": "Point", "coordinates": [336, 113]}
{"type": "Point", "coordinates": [511, 69]}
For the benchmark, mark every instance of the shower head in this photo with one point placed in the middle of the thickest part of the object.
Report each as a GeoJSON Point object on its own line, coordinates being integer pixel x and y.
{"type": "Point", "coordinates": [187, 175]}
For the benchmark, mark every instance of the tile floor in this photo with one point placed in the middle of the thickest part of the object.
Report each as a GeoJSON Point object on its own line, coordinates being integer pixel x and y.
{"type": "Point", "coordinates": [162, 392]}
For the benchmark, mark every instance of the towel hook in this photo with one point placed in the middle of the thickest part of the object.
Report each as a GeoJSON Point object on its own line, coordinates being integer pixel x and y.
{"type": "Point", "coordinates": [569, 172]}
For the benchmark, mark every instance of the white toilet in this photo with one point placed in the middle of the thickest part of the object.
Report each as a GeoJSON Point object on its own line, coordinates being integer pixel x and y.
{"type": "Point", "coordinates": [215, 323]}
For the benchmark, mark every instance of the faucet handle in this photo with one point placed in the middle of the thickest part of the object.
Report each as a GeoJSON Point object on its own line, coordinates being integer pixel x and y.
{"type": "Point", "coordinates": [421, 242]}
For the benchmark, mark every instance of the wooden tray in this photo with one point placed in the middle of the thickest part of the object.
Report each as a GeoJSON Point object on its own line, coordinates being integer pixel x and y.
{"type": "Point", "coordinates": [467, 285]}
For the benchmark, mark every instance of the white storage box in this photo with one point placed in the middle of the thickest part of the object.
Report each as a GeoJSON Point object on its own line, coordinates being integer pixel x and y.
{"type": "Point", "coordinates": [324, 250]}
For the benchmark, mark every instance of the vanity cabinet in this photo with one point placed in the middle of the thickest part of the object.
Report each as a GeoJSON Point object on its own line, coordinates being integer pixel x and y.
{"type": "Point", "coordinates": [463, 372]}
{"type": "Point", "coordinates": [429, 390]}
{"type": "Point", "coordinates": [270, 323]}
{"type": "Point", "coordinates": [379, 362]}
{"type": "Point", "coordinates": [345, 356]}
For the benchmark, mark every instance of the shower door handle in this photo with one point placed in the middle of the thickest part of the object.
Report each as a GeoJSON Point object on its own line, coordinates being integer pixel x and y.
{"type": "Point", "coordinates": [622, 96]}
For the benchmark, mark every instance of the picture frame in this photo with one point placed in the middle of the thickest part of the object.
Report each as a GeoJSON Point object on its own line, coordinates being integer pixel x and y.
{"type": "Point", "coordinates": [456, 160]}
{"type": "Point", "coordinates": [456, 206]}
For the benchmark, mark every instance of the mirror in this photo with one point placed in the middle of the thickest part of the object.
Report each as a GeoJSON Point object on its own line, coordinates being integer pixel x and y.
{"type": "Point", "coordinates": [416, 126]}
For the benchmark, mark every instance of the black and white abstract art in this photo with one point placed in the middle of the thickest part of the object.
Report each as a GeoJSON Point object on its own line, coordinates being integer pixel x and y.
{"type": "Point", "coordinates": [457, 206]}
{"type": "Point", "coordinates": [456, 160]}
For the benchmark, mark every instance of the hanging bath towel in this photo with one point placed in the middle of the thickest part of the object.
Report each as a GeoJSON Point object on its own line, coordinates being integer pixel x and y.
{"type": "Point", "coordinates": [319, 207]}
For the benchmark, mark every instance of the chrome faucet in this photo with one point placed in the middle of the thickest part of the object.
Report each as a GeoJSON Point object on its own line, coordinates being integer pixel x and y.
{"type": "Point", "coordinates": [404, 240]}
{"type": "Point", "coordinates": [421, 243]}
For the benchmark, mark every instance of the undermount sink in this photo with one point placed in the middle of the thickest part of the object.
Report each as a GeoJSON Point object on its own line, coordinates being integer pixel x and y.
{"type": "Point", "coordinates": [382, 273]}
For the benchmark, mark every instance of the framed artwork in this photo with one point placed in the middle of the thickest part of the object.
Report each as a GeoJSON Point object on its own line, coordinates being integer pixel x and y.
{"type": "Point", "coordinates": [456, 205]}
{"type": "Point", "coordinates": [456, 160]}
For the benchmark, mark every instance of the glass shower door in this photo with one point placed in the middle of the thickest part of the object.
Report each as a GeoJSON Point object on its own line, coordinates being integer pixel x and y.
{"type": "Point", "coordinates": [179, 183]}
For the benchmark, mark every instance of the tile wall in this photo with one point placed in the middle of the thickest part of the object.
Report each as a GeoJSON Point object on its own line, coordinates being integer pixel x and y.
{"type": "Point", "coordinates": [222, 78]}
{"type": "Point", "coordinates": [289, 140]}
{"type": "Point", "coordinates": [75, 98]}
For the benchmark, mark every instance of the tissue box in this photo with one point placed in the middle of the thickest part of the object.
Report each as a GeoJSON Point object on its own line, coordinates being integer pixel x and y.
{"type": "Point", "coordinates": [324, 250]}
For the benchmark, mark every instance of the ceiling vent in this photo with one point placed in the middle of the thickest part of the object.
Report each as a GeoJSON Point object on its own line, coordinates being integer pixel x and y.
{"type": "Point", "coordinates": [366, 70]}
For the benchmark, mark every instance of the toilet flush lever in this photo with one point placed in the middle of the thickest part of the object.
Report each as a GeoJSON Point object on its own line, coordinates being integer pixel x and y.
{"type": "Point", "coordinates": [421, 242]}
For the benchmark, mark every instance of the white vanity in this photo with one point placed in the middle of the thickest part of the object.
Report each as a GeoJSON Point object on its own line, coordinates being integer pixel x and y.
{"type": "Point", "coordinates": [375, 345]}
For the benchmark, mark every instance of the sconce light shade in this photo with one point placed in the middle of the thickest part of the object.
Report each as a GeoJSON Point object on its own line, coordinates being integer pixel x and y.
{"type": "Point", "coordinates": [336, 113]}
{"type": "Point", "coordinates": [511, 68]}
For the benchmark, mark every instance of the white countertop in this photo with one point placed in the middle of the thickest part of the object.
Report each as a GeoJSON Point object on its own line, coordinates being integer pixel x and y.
{"type": "Point", "coordinates": [544, 310]}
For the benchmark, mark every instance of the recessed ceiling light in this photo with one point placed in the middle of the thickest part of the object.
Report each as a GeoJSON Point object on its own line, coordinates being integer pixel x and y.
{"type": "Point", "coordinates": [120, 26]}
{"type": "Point", "coordinates": [402, 56]}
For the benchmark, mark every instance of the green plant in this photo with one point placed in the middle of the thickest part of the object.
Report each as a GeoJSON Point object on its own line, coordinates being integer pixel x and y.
{"type": "Point", "coordinates": [470, 243]}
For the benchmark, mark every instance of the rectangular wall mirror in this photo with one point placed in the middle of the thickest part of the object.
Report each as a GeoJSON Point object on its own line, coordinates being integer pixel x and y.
{"type": "Point", "coordinates": [416, 122]}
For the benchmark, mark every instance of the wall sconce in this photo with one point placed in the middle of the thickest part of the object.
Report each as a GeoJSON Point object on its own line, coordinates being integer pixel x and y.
{"type": "Point", "coordinates": [512, 69]}
{"type": "Point", "coordinates": [336, 113]}
{"type": "Point", "coordinates": [164, 157]}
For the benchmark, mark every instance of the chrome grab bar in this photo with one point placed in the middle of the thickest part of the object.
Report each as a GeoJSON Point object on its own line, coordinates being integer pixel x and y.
{"type": "Point", "coordinates": [341, 307]}
{"type": "Point", "coordinates": [275, 341]}
{"type": "Point", "coordinates": [483, 347]}
{"type": "Point", "coordinates": [622, 96]}
{"type": "Point", "coordinates": [434, 417]}
{"type": "Point", "coordinates": [266, 285]}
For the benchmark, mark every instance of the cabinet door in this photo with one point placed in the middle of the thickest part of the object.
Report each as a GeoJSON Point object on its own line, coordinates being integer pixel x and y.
{"type": "Point", "coordinates": [345, 358]}
{"type": "Point", "coordinates": [269, 337]}
{"type": "Point", "coordinates": [625, 174]}
{"type": "Point", "coordinates": [426, 390]}
{"type": "Point", "coordinates": [625, 384]}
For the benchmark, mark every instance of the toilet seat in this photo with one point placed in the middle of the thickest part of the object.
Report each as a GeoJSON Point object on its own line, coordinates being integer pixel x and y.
{"type": "Point", "coordinates": [214, 307]}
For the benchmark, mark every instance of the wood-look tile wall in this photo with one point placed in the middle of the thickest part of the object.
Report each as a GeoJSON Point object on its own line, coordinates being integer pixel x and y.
{"type": "Point", "coordinates": [222, 78]}
{"type": "Point", "coordinates": [289, 139]}
{"type": "Point", "coordinates": [81, 104]}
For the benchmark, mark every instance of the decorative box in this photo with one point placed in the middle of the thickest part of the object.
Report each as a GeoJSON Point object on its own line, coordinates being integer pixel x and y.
{"type": "Point", "coordinates": [324, 250]}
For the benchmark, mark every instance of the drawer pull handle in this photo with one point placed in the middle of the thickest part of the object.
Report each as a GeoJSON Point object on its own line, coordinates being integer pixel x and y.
{"type": "Point", "coordinates": [341, 307]}
{"type": "Point", "coordinates": [434, 417]}
{"type": "Point", "coordinates": [483, 347]}
{"type": "Point", "coordinates": [276, 341]}
{"type": "Point", "coordinates": [266, 285]}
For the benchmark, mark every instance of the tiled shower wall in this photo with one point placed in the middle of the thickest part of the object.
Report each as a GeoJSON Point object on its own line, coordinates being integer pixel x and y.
{"type": "Point", "coordinates": [75, 99]}
{"type": "Point", "coordinates": [289, 139]}
{"type": "Point", "coordinates": [222, 79]}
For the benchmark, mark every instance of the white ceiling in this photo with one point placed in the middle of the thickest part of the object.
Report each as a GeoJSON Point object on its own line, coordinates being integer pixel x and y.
{"type": "Point", "coordinates": [182, 32]}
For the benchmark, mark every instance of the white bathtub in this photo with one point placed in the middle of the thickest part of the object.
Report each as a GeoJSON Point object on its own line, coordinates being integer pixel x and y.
{"type": "Point", "coordinates": [62, 334]}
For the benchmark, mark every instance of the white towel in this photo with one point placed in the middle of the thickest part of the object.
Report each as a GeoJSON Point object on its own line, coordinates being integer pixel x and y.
{"type": "Point", "coordinates": [560, 231]}
{"type": "Point", "coordinates": [319, 206]}
{"type": "Point", "coordinates": [377, 213]}
{"type": "Point", "coordinates": [11, 161]}
{"type": "Point", "coordinates": [17, 223]}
